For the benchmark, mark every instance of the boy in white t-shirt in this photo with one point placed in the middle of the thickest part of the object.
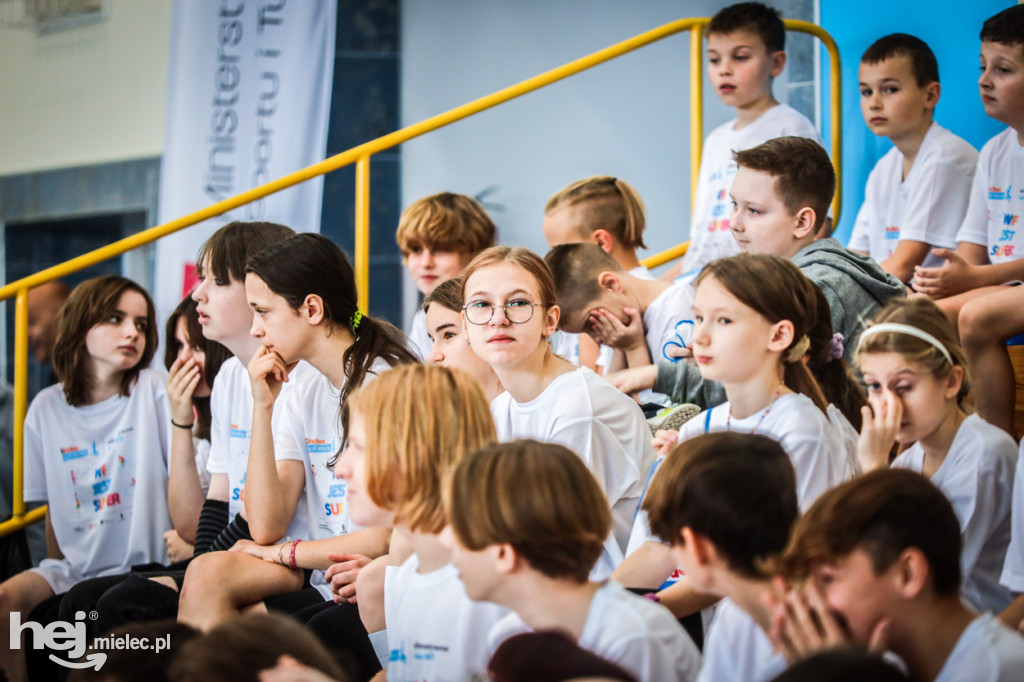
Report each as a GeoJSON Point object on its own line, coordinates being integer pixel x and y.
{"type": "Point", "coordinates": [635, 316]}
{"type": "Point", "coordinates": [746, 51]}
{"type": "Point", "coordinates": [530, 547]}
{"type": "Point", "coordinates": [917, 193]}
{"type": "Point", "coordinates": [725, 501]}
{"type": "Point", "coordinates": [438, 236]}
{"type": "Point", "coordinates": [970, 285]}
{"type": "Point", "coordinates": [878, 564]}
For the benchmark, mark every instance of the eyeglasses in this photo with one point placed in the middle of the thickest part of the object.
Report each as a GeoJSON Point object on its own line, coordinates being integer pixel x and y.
{"type": "Point", "coordinates": [517, 311]}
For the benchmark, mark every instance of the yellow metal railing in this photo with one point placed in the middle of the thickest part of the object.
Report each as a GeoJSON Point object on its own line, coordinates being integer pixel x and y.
{"type": "Point", "coordinates": [360, 156]}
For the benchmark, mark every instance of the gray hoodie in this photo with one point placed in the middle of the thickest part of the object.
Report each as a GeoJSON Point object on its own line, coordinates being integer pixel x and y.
{"type": "Point", "coordinates": [855, 286]}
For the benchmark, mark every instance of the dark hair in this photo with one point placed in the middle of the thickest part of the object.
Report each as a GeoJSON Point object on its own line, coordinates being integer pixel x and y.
{"type": "Point", "coordinates": [447, 294]}
{"type": "Point", "coordinates": [228, 249]}
{"type": "Point", "coordinates": [603, 203]}
{"type": "Point", "coordinates": [842, 665]}
{"type": "Point", "coordinates": [91, 303]}
{"type": "Point", "coordinates": [923, 64]}
{"type": "Point", "coordinates": [555, 516]}
{"type": "Point", "coordinates": [736, 489]}
{"type": "Point", "coordinates": [881, 513]}
{"type": "Point", "coordinates": [833, 375]}
{"type": "Point", "coordinates": [1006, 27]}
{"type": "Point", "coordinates": [804, 176]}
{"type": "Point", "coordinates": [215, 354]}
{"type": "Point", "coordinates": [239, 649]}
{"type": "Point", "coordinates": [576, 268]}
{"type": "Point", "coordinates": [549, 656]}
{"type": "Point", "coordinates": [137, 665]}
{"type": "Point", "coordinates": [763, 20]}
{"type": "Point", "coordinates": [777, 290]}
{"type": "Point", "coordinates": [309, 263]}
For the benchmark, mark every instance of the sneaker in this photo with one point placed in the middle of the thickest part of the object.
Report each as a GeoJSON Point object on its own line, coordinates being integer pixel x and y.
{"type": "Point", "coordinates": [671, 418]}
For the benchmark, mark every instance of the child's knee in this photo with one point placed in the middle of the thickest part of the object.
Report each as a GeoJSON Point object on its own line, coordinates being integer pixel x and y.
{"type": "Point", "coordinates": [975, 323]}
{"type": "Point", "coordinates": [204, 572]}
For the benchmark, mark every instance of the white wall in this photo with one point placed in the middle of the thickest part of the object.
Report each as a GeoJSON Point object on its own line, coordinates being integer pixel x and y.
{"type": "Point", "coordinates": [628, 118]}
{"type": "Point", "coordinates": [88, 95]}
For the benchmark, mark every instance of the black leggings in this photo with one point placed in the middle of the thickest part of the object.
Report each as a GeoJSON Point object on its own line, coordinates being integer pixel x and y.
{"type": "Point", "coordinates": [340, 629]}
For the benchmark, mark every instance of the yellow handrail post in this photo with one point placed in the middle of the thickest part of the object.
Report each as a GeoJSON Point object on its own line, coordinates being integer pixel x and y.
{"type": "Point", "coordinates": [696, 105]}
{"type": "Point", "coordinates": [362, 245]}
{"type": "Point", "coordinates": [20, 397]}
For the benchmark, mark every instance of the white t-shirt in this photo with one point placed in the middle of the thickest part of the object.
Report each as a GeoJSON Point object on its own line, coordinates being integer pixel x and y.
{"type": "Point", "coordinates": [672, 306]}
{"type": "Point", "coordinates": [804, 432]}
{"type": "Point", "coordinates": [602, 425]}
{"type": "Point", "coordinates": [710, 236]}
{"type": "Point", "coordinates": [977, 477]}
{"type": "Point", "coordinates": [231, 424]}
{"type": "Point", "coordinates": [628, 630]}
{"type": "Point", "coordinates": [848, 436]}
{"type": "Point", "coordinates": [997, 199]}
{"type": "Point", "coordinates": [736, 648]}
{"type": "Point", "coordinates": [987, 651]}
{"type": "Point", "coordinates": [201, 448]}
{"type": "Point", "coordinates": [434, 631]}
{"type": "Point", "coordinates": [1013, 569]}
{"type": "Point", "coordinates": [102, 469]}
{"type": "Point", "coordinates": [928, 206]}
{"type": "Point", "coordinates": [419, 340]}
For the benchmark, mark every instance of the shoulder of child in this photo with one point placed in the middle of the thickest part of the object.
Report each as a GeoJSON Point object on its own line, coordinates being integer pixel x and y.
{"type": "Point", "coordinates": [987, 651]}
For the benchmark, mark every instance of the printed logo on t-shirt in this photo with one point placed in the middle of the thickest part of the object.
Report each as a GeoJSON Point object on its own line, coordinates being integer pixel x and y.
{"type": "Point", "coordinates": [1006, 250]}
{"type": "Point", "coordinates": [101, 480]}
{"type": "Point", "coordinates": [74, 452]}
{"type": "Point", "coordinates": [892, 232]}
{"type": "Point", "coordinates": [718, 225]}
{"type": "Point", "coordinates": [997, 193]}
{"type": "Point", "coordinates": [1009, 219]}
{"type": "Point", "coordinates": [239, 433]}
{"type": "Point", "coordinates": [238, 492]}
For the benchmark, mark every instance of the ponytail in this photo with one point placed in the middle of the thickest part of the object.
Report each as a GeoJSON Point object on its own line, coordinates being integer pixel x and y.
{"type": "Point", "coordinates": [826, 363]}
{"type": "Point", "coordinates": [604, 203]}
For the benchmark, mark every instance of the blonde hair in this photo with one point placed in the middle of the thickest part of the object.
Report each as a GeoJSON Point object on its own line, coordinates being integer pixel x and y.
{"type": "Point", "coordinates": [923, 314]}
{"type": "Point", "coordinates": [421, 420]}
{"type": "Point", "coordinates": [604, 203]}
{"type": "Point", "coordinates": [538, 497]}
{"type": "Point", "coordinates": [449, 221]}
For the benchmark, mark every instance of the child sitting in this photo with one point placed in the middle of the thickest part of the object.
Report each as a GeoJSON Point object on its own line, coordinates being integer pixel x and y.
{"type": "Point", "coordinates": [438, 236]}
{"type": "Point", "coordinates": [531, 547]}
{"type": "Point", "coordinates": [746, 44]}
{"type": "Point", "coordinates": [969, 286]}
{"type": "Point", "coordinates": [636, 316]}
{"type": "Point", "coordinates": [608, 212]}
{"type": "Point", "coordinates": [917, 193]}
{"type": "Point", "coordinates": [919, 392]}
{"type": "Point", "coordinates": [881, 557]}
{"type": "Point", "coordinates": [726, 501]}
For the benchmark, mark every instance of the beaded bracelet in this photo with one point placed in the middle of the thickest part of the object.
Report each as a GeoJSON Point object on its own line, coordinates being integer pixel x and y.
{"type": "Point", "coordinates": [280, 553]}
{"type": "Point", "coordinates": [291, 559]}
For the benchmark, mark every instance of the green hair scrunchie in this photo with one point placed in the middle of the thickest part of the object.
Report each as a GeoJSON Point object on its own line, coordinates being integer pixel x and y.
{"type": "Point", "coordinates": [356, 318]}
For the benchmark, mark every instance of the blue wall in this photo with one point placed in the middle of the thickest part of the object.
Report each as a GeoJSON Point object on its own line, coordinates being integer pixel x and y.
{"type": "Point", "coordinates": [950, 27]}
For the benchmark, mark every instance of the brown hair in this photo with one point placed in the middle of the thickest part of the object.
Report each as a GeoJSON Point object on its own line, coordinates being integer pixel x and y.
{"type": "Point", "coordinates": [603, 203]}
{"type": "Point", "coordinates": [736, 489]}
{"type": "Point", "coordinates": [804, 176]}
{"type": "Point", "coordinates": [755, 17]}
{"type": "Point", "coordinates": [227, 251]}
{"type": "Point", "coordinates": [922, 60]}
{"type": "Point", "coordinates": [538, 497]}
{"type": "Point", "coordinates": [447, 294]}
{"type": "Point", "coordinates": [239, 649]}
{"type": "Point", "coordinates": [832, 373]}
{"type": "Point", "coordinates": [91, 303]}
{"type": "Point", "coordinates": [576, 268]}
{"type": "Point", "coordinates": [1005, 27]}
{"type": "Point", "coordinates": [411, 451]}
{"type": "Point", "coordinates": [923, 314]}
{"type": "Point", "coordinates": [777, 290]}
{"type": "Point", "coordinates": [445, 221]}
{"type": "Point", "coordinates": [881, 513]}
{"type": "Point", "coordinates": [517, 255]}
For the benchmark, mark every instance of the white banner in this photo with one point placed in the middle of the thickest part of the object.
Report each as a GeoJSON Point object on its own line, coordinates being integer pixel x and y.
{"type": "Point", "coordinates": [248, 101]}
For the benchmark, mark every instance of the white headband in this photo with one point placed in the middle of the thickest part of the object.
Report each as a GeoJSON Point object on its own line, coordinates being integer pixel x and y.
{"type": "Point", "coordinates": [903, 329]}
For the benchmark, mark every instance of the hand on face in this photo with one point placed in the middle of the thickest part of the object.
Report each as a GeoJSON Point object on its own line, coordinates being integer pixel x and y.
{"type": "Point", "coordinates": [880, 426]}
{"type": "Point", "coordinates": [182, 380]}
{"type": "Point", "coordinates": [267, 373]}
{"type": "Point", "coordinates": [606, 328]}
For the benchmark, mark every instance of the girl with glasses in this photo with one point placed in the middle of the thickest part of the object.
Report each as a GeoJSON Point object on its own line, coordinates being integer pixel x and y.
{"type": "Point", "coordinates": [509, 315]}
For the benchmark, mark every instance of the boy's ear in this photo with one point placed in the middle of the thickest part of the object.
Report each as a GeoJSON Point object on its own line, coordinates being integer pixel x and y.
{"type": "Point", "coordinates": [913, 573]}
{"type": "Point", "coordinates": [782, 336]}
{"type": "Point", "coordinates": [507, 559]}
{"type": "Point", "coordinates": [602, 238]}
{"type": "Point", "coordinates": [609, 280]}
{"type": "Point", "coordinates": [932, 93]}
{"type": "Point", "coordinates": [312, 309]}
{"type": "Point", "coordinates": [805, 219]}
{"type": "Point", "coordinates": [702, 548]}
{"type": "Point", "coordinates": [778, 62]}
